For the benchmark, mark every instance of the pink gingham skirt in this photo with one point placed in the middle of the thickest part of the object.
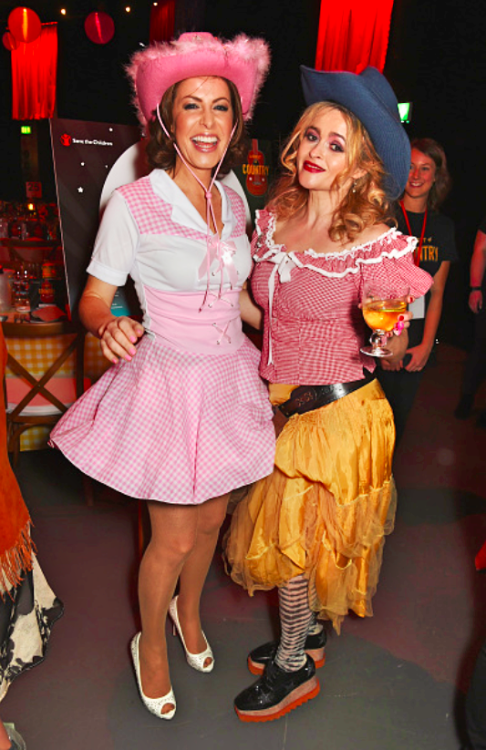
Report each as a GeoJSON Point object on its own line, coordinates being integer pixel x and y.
{"type": "Point", "coordinates": [172, 425]}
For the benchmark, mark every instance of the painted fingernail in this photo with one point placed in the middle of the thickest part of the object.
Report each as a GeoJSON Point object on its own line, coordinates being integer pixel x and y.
{"type": "Point", "coordinates": [128, 359]}
{"type": "Point", "coordinates": [399, 327]}
{"type": "Point", "coordinates": [401, 318]}
{"type": "Point", "coordinates": [133, 339]}
{"type": "Point", "coordinates": [114, 361]}
{"type": "Point", "coordinates": [133, 351]}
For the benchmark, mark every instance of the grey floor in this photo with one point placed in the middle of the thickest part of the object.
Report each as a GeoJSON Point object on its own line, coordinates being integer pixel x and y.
{"type": "Point", "coordinates": [394, 682]}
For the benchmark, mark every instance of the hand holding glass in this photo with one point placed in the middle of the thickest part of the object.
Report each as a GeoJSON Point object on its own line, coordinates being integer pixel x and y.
{"type": "Point", "coordinates": [382, 305]}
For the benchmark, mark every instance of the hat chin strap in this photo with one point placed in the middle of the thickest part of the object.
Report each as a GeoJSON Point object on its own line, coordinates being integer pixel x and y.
{"type": "Point", "coordinates": [209, 199]}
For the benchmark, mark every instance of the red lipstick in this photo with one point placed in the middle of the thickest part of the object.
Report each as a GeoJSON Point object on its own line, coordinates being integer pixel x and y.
{"type": "Point", "coordinates": [311, 167]}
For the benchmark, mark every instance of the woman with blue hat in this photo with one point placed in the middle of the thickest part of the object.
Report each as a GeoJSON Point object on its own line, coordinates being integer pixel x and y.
{"type": "Point", "coordinates": [315, 528]}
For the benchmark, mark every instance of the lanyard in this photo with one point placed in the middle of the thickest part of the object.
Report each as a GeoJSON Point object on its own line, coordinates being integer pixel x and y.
{"type": "Point", "coordinates": [417, 254]}
{"type": "Point", "coordinates": [215, 247]}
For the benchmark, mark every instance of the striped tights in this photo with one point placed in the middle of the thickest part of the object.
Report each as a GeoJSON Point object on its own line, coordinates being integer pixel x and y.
{"type": "Point", "coordinates": [297, 621]}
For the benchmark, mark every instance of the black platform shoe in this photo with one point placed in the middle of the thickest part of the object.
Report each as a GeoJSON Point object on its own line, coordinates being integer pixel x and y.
{"type": "Point", "coordinates": [277, 692]}
{"type": "Point", "coordinates": [314, 647]}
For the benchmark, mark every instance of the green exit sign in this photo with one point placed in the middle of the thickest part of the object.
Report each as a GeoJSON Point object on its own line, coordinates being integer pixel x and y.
{"type": "Point", "coordinates": [405, 111]}
{"type": "Point", "coordinates": [25, 129]}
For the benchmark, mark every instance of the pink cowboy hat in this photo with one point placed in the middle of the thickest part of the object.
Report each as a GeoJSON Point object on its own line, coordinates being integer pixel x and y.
{"type": "Point", "coordinates": [243, 61]}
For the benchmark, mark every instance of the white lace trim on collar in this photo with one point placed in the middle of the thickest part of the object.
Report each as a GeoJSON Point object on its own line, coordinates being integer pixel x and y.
{"type": "Point", "coordinates": [275, 249]}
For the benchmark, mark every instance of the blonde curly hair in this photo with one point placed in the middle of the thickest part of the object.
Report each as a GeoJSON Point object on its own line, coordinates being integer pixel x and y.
{"type": "Point", "coordinates": [365, 203]}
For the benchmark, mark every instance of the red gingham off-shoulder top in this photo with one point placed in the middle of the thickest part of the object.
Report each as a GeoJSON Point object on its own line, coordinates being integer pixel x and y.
{"type": "Point", "coordinates": [313, 328]}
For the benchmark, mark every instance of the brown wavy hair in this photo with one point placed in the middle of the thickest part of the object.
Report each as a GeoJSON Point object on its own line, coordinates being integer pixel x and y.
{"type": "Point", "coordinates": [365, 204]}
{"type": "Point", "coordinates": [443, 181]}
{"type": "Point", "coordinates": [160, 150]}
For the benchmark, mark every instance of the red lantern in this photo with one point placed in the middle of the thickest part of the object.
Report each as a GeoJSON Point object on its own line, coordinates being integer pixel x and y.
{"type": "Point", "coordinates": [24, 25]}
{"type": "Point", "coordinates": [9, 41]}
{"type": "Point", "coordinates": [99, 27]}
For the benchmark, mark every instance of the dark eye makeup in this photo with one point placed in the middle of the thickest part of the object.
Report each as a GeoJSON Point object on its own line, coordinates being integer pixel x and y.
{"type": "Point", "coordinates": [313, 136]}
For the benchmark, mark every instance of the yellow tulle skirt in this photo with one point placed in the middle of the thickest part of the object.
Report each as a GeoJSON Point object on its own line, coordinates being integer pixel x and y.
{"type": "Point", "coordinates": [325, 509]}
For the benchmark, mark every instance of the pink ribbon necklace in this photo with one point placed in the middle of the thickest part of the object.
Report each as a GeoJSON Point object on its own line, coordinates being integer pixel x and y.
{"type": "Point", "coordinates": [216, 247]}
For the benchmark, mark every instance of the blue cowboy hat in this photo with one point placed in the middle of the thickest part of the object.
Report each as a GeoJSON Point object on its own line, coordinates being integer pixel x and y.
{"type": "Point", "coordinates": [370, 97]}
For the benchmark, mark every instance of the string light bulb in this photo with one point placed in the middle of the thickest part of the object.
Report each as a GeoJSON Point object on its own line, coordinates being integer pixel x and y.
{"type": "Point", "coordinates": [128, 9]}
{"type": "Point", "coordinates": [63, 11]}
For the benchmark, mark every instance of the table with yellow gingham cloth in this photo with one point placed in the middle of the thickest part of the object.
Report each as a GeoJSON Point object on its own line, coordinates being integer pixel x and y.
{"type": "Point", "coordinates": [36, 355]}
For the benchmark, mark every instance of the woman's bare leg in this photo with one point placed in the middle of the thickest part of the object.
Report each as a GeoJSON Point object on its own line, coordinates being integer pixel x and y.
{"type": "Point", "coordinates": [195, 570]}
{"type": "Point", "coordinates": [182, 545]}
{"type": "Point", "coordinates": [174, 531]}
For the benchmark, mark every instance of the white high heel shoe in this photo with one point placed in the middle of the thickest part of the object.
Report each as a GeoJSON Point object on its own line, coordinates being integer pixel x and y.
{"type": "Point", "coordinates": [154, 705]}
{"type": "Point", "coordinates": [196, 661]}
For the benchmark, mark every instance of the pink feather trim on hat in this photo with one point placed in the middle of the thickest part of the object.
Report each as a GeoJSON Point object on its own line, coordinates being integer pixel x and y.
{"type": "Point", "coordinates": [243, 61]}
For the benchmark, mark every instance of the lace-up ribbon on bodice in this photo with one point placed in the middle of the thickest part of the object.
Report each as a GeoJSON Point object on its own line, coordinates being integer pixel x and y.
{"type": "Point", "coordinates": [184, 322]}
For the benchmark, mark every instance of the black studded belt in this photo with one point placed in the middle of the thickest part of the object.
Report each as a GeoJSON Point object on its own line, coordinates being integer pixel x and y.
{"type": "Point", "coordinates": [306, 398]}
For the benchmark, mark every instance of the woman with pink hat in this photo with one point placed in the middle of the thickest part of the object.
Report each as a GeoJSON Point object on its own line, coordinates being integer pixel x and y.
{"type": "Point", "coordinates": [315, 528]}
{"type": "Point", "coordinates": [182, 417]}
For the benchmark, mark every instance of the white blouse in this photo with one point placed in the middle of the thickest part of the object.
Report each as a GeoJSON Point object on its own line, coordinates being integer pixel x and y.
{"type": "Point", "coordinates": [165, 260]}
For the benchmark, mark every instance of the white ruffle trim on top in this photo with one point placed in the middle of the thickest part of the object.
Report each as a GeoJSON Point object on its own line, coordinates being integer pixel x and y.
{"type": "Point", "coordinates": [276, 252]}
{"type": "Point", "coordinates": [285, 261]}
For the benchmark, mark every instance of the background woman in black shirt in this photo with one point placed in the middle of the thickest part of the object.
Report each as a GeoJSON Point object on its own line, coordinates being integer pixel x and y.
{"type": "Point", "coordinates": [428, 184]}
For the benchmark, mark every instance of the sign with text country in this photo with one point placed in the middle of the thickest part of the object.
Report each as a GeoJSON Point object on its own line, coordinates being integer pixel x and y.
{"type": "Point", "coordinates": [255, 173]}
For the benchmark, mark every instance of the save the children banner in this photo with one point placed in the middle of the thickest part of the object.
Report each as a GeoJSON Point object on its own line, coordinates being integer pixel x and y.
{"type": "Point", "coordinates": [91, 159]}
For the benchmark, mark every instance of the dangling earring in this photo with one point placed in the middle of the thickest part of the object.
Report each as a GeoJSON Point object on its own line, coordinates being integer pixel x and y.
{"type": "Point", "coordinates": [353, 189]}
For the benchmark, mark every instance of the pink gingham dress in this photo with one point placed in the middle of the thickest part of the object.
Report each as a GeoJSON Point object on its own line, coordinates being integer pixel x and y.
{"type": "Point", "coordinates": [188, 419]}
